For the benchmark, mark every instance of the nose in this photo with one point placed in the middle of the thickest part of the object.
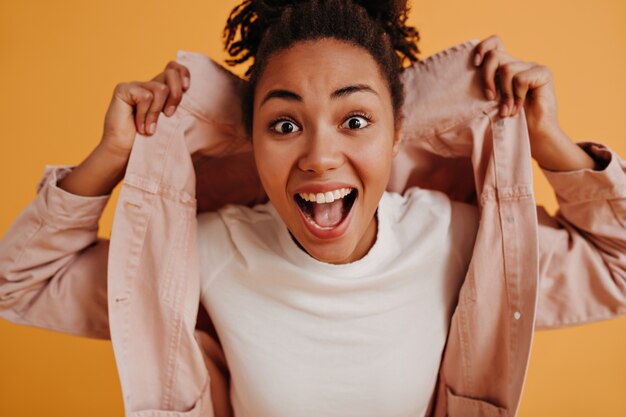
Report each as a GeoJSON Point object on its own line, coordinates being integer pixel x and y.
{"type": "Point", "coordinates": [322, 152]}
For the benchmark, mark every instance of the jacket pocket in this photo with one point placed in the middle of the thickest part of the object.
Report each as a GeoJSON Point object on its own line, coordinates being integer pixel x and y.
{"type": "Point", "coordinates": [460, 406]}
{"type": "Point", "coordinates": [202, 408]}
{"type": "Point", "coordinates": [194, 412]}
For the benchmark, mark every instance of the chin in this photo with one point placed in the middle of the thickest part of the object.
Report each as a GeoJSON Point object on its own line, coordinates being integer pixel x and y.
{"type": "Point", "coordinates": [332, 253]}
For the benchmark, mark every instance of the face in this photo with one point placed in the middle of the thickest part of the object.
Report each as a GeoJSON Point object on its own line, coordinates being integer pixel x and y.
{"type": "Point", "coordinates": [324, 138]}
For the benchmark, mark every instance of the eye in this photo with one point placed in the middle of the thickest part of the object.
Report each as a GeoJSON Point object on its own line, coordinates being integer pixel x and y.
{"type": "Point", "coordinates": [283, 126]}
{"type": "Point", "coordinates": [356, 122]}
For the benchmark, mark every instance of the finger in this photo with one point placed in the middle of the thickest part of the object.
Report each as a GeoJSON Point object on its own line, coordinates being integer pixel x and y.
{"type": "Point", "coordinates": [493, 60]}
{"type": "Point", "coordinates": [506, 73]}
{"type": "Point", "coordinates": [141, 100]}
{"type": "Point", "coordinates": [174, 82]}
{"type": "Point", "coordinates": [184, 73]}
{"type": "Point", "coordinates": [160, 92]}
{"type": "Point", "coordinates": [534, 77]}
{"type": "Point", "coordinates": [521, 86]}
{"type": "Point", "coordinates": [490, 43]}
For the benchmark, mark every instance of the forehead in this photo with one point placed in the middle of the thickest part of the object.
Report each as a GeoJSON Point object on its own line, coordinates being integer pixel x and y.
{"type": "Point", "coordinates": [319, 66]}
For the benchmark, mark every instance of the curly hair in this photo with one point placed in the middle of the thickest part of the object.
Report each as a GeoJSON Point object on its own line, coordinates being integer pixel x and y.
{"type": "Point", "coordinates": [268, 26]}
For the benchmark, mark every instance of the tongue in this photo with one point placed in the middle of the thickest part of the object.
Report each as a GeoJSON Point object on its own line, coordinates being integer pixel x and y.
{"type": "Point", "coordinates": [328, 214]}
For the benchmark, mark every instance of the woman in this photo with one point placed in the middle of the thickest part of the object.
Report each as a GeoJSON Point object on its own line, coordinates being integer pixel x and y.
{"type": "Point", "coordinates": [324, 100]}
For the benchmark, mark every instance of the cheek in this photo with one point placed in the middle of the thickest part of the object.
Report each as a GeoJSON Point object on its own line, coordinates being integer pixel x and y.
{"type": "Point", "coordinates": [273, 175]}
{"type": "Point", "coordinates": [373, 160]}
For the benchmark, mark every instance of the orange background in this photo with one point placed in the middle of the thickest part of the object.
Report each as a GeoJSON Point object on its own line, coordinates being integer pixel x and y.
{"type": "Point", "coordinates": [60, 61]}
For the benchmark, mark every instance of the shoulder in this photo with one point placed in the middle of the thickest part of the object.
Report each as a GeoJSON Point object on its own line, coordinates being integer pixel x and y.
{"type": "Point", "coordinates": [234, 215]}
{"type": "Point", "coordinates": [214, 245]}
{"type": "Point", "coordinates": [236, 227]}
{"type": "Point", "coordinates": [232, 235]}
{"type": "Point", "coordinates": [418, 201]}
{"type": "Point", "coordinates": [430, 202]}
{"type": "Point", "coordinates": [422, 213]}
{"type": "Point", "coordinates": [242, 222]}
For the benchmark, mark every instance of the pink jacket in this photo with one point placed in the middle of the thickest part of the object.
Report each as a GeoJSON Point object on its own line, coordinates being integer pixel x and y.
{"type": "Point", "coordinates": [529, 270]}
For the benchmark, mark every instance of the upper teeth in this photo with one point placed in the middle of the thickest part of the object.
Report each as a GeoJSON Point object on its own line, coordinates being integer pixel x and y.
{"type": "Point", "coordinates": [327, 197]}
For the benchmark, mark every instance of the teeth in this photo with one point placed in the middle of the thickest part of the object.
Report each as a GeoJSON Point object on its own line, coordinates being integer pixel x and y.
{"type": "Point", "coordinates": [327, 197]}
{"type": "Point", "coordinates": [317, 226]}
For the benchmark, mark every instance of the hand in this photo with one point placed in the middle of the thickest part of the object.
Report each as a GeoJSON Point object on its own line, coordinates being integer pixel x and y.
{"type": "Point", "coordinates": [516, 83]}
{"type": "Point", "coordinates": [135, 107]}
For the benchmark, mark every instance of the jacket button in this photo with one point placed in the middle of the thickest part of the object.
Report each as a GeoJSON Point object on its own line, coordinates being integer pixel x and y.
{"type": "Point", "coordinates": [517, 315]}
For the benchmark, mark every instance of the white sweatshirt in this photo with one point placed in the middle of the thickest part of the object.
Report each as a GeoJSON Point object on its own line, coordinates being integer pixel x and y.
{"type": "Point", "coordinates": [304, 338]}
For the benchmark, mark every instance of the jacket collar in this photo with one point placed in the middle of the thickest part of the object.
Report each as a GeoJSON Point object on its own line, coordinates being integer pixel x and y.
{"type": "Point", "coordinates": [443, 96]}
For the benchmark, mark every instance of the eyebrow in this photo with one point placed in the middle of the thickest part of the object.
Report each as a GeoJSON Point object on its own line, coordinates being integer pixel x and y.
{"type": "Point", "coordinates": [341, 92]}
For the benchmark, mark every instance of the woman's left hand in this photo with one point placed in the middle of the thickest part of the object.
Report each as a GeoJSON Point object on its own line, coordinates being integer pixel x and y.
{"type": "Point", "coordinates": [518, 83]}
{"type": "Point", "coordinates": [515, 83]}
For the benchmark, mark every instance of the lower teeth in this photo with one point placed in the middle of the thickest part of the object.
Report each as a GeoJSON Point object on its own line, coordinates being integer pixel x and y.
{"type": "Point", "coordinates": [311, 221]}
{"type": "Point", "coordinates": [317, 226]}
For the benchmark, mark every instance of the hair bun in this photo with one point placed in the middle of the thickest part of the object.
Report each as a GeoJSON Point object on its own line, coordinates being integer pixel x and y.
{"type": "Point", "coordinates": [392, 15]}
{"type": "Point", "coordinates": [389, 13]}
{"type": "Point", "coordinates": [384, 10]}
{"type": "Point", "coordinates": [251, 18]}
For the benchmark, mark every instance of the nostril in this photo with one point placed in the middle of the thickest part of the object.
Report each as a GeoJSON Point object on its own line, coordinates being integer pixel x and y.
{"type": "Point", "coordinates": [320, 163]}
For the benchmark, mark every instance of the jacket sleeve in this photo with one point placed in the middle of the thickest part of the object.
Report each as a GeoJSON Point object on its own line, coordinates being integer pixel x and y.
{"type": "Point", "coordinates": [582, 248]}
{"type": "Point", "coordinates": [53, 267]}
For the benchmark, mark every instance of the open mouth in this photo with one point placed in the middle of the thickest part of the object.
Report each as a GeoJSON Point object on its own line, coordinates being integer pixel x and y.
{"type": "Point", "coordinates": [325, 211]}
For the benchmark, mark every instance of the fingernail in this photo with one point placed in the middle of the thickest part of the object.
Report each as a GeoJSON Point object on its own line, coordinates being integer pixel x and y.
{"type": "Point", "coordinates": [186, 82]}
{"type": "Point", "coordinates": [490, 94]}
{"type": "Point", "coordinates": [477, 59]}
{"type": "Point", "coordinates": [152, 128]}
{"type": "Point", "coordinates": [504, 110]}
{"type": "Point", "coordinates": [170, 110]}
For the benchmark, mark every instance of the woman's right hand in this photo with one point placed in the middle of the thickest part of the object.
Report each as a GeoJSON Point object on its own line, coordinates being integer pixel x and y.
{"type": "Point", "coordinates": [135, 107]}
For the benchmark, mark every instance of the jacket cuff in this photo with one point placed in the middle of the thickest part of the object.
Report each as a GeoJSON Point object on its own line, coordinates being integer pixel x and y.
{"type": "Point", "coordinates": [606, 182]}
{"type": "Point", "coordinates": [61, 208]}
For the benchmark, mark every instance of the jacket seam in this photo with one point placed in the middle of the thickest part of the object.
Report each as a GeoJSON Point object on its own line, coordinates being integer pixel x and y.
{"type": "Point", "coordinates": [617, 192]}
{"type": "Point", "coordinates": [558, 324]}
{"type": "Point", "coordinates": [101, 333]}
{"type": "Point", "coordinates": [433, 137]}
{"type": "Point", "coordinates": [27, 242]}
{"type": "Point", "coordinates": [230, 127]}
{"type": "Point", "coordinates": [167, 153]}
{"type": "Point", "coordinates": [169, 193]}
{"type": "Point", "coordinates": [19, 257]}
{"type": "Point", "coordinates": [213, 274]}
{"type": "Point", "coordinates": [179, 294]}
